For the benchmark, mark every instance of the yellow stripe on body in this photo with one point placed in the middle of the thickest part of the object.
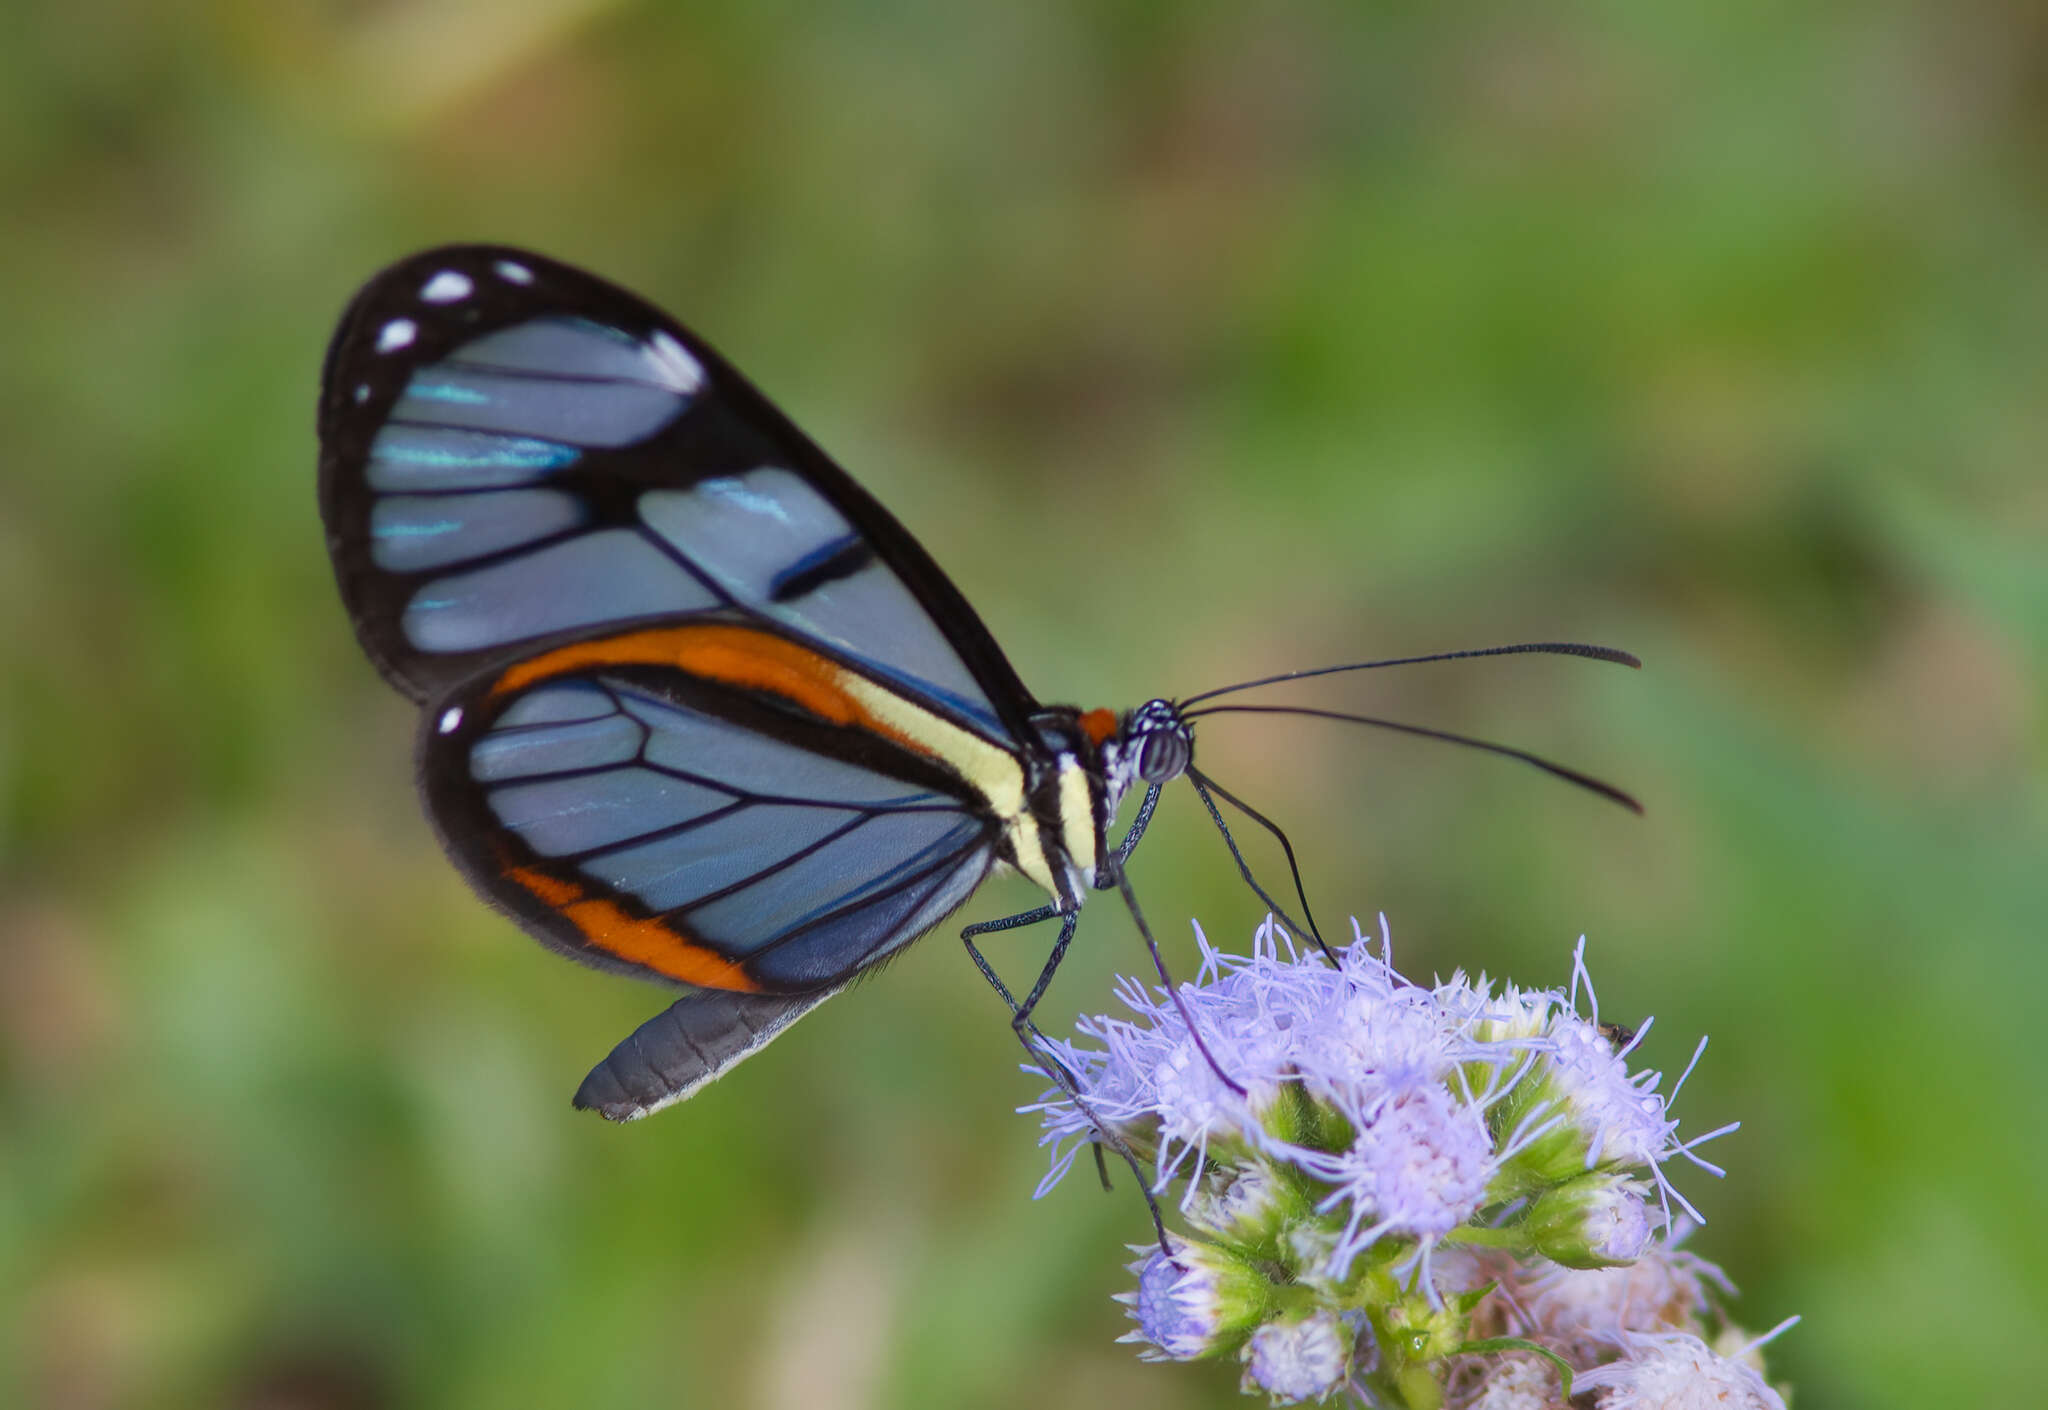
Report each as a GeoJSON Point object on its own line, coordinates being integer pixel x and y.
{"type": "Point", "coordinates": [1029, 850]}
{"type": "Point", "coordinates": [1077, 816]}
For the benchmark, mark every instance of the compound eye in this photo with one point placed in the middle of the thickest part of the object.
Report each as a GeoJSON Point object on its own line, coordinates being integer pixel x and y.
{"type": "Point", "coordinates": [1162, 755]}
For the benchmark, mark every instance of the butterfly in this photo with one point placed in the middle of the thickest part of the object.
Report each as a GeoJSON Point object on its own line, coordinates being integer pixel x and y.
{"type": "Point", "coordinates": [694, 706]}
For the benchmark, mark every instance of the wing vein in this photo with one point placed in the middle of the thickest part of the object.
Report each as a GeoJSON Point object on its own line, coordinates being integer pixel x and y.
{"type": "Point", "coordinates": [661, 545]}
{"type": "Point", "coordinates": [948, 863]}
{"type": "Point", "coordinates": [771, 869]}
{"type": "Point", "coordinates": [659, 834]}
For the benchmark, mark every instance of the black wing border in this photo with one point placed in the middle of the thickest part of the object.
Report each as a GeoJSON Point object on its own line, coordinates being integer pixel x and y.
{"type": "Point", "coordinates": [360, 385]}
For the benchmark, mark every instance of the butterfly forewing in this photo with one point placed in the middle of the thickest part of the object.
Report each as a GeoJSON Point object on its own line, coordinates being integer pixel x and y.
{"type": "Point", "coordinates": [514, 451]}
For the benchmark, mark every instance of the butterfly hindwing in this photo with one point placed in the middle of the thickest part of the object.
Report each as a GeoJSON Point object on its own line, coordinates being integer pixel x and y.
{"type": "Point", "coordinates": [712, 804]}
{"type": "Point", "coordinates": [516, 451]}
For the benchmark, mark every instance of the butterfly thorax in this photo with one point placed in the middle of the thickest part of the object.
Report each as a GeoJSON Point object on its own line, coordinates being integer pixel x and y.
{"type": "Point", "coordinates": [1084, 765]}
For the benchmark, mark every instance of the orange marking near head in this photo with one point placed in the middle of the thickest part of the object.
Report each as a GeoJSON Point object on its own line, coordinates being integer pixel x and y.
{"type": "Point", "coordinates": [720, 652]}
{"type": "Point", "coordinates": [1098, 725]}
{"type": "Point", "coordinates": [643, 940]}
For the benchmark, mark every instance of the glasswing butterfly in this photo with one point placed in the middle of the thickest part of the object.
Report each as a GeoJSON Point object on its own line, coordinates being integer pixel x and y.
{"type": "Point", "coordinates": [696, 707]}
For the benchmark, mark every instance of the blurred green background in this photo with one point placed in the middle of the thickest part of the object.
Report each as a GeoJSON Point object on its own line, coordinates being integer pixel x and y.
{"type": "Point", "coordinates": [1197, 341]}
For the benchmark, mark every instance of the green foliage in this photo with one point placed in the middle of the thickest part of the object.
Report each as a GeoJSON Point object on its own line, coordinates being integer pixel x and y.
{"type": "Point", "coordinates": [1198, 342]}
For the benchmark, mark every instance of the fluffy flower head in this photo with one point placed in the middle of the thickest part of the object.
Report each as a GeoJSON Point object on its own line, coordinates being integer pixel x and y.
{"type": "Point", "coordinates": [1380, 1181]}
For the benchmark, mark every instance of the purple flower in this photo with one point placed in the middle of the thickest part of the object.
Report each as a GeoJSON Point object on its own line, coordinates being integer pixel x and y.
{"type": "Point", "coordinates": [1419, 1167]}
{"type": "Point", "coordinates": [1392, 1174]}
{"type": "Point", "coordinates": [1357, 1038]}
{"type": "Point", "coordinates": [1598, 1113]}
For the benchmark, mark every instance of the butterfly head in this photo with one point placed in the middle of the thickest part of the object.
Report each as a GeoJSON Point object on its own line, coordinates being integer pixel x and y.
{"type": "Point", "coordinates": [1149, 745]}
{"type": "Point", "coordinates": [1159, 740]}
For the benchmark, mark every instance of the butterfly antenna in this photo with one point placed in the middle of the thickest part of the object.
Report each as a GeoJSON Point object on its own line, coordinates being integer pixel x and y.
{"type": "Point", "coordinates": [1204, 785]}
{"type": "Point", "coordinates": [1571, 776]}
{"type": "Point", "coordinates": [1524, 648]}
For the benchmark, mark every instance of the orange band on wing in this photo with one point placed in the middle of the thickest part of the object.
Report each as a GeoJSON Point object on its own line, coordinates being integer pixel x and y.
{"type": "Point", "coordinates": [643, 940]}
{"type": "Point", "coordinates": [720, 652]}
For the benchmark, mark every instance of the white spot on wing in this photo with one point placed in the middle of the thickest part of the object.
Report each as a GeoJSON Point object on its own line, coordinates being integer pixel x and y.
{"type": "Point", "coordinates": [396, 334]}
{"type": "Point", "coordinates": [673, 365]}
{"type": "Point", "coordinates": [362, 392]}
{"type": "Point", "coordinates": [512, 272]}
{"type": "Point", "coordinates": [448, 287]}
{"type": "Point", "coordinates": [451, 719]}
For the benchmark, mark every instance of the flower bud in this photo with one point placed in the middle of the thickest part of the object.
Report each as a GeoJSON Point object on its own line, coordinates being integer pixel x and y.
{"type": "Point", "coordinates": [1587, 1108]}
{"type": "Point", "coordinates": [1200, 1301]}
{"type": "Point", "coordinates": [1298, 1359]}
{"type": "Point", "coordinates": [1598, 1220]}
{"type": "Point", "coordinates": [1249, 1210]}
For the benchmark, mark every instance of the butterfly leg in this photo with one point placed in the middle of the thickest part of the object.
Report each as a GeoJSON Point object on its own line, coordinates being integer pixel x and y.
{"type": "Point", "coordinates": [1039, 1047]}
{"type": "Point", "coordinates": [1020, 1013]}
{"type": "Point", "coordinates": [1108, 875]}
